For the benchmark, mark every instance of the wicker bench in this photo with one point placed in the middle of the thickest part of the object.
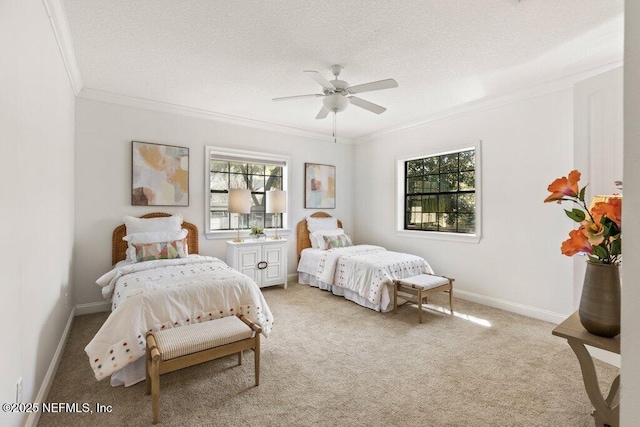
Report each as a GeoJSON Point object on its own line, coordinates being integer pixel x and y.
{"type": "Point", "coordinates": [177, 348]}
{"type": "Point", "coordinates": [418, 288]}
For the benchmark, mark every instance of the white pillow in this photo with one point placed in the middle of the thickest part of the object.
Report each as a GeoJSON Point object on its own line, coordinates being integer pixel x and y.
{"type": "Point", "coordinates": [152, 237]}
{"type": "Point", "coordinates": [315, 224]}
{"type": "Point", "coordinates": [144, 225]}
{"type": "Point", "coordinates": [318, 237]}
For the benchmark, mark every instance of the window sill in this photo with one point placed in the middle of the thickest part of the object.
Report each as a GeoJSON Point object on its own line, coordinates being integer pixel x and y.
{"type": "Point", "coordinates": [230, 234]}
{"type": "Point", "coordinates": [451, 237]}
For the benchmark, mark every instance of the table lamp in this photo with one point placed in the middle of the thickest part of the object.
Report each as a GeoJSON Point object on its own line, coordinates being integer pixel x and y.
{"type": "Point", "coordinates": [276, 204]}
{"type": "Point", "coordinates": [239, 203]}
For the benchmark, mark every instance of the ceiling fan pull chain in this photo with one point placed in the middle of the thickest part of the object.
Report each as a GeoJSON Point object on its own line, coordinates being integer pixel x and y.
{"type": "Point", "coordinates": [335, 115]}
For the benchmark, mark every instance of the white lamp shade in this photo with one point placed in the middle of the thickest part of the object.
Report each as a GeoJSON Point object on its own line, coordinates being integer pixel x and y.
{"type": "Point", "coordinates": [276, 201]}
{"type": "Point", "coordinates": [239, 201]}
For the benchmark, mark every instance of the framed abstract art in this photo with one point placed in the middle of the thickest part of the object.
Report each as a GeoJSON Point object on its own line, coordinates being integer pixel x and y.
{"type": "Point", "coordinates": [159, 175]}
{"type": "Point", "coordinates": [319, 186]}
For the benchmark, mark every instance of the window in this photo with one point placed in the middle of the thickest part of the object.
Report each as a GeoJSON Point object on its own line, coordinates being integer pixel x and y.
{"type": "Point", "coordinates": [258, 172]}
{"type": "Point", "coordinates": [439, 194]}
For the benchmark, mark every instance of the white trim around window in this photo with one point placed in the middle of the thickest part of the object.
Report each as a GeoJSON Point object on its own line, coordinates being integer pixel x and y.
{"type": "Point", "coordinates": [400, 196]}
{"type": "Point", "coordinates": [241, 155]}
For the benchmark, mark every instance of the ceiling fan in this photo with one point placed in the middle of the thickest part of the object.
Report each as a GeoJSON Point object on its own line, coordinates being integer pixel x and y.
{"type": "Point", "coordinates": [337, 94]}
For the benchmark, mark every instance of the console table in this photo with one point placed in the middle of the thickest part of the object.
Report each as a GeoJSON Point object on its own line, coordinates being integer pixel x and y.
{"type": "Point", "coordinates": [607, 410]}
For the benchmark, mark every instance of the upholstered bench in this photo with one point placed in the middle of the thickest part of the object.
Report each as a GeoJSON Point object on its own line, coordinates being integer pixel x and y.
{"type": "Point", "coordinates": [177, 348]}
{"type": "Point", "coordinates": [418, 288]}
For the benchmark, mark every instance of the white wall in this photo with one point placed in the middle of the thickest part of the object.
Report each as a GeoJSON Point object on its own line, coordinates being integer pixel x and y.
{"type": "Point", "coordinates": [630, 378]}
{"type": "Point", "coordinates": [37, 207]}
{"type": "Point", "coordinates": [104, 132]}
{"type": "Point", "coordinates": [598, 143]}
{"type": "Point", "coordinates": [525, 145]}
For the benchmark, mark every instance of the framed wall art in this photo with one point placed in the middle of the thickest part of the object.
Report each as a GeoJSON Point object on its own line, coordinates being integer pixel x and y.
{"type": "Point", "coordinates": [319, 186]}
{"type": "Point", "coordinates": [159, 175]}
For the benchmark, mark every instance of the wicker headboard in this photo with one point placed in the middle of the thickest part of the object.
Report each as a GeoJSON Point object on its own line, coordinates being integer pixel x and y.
{"type": "Point", "coordinates": [119, 246]}
{"type": "Point", "coordinates": [302, 232]}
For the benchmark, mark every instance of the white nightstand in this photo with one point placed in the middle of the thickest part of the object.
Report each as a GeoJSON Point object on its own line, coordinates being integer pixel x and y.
{"type": "Point", "coordinates": [265, 261]}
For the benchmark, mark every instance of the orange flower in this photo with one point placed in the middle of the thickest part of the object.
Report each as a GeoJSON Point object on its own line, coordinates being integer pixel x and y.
{"type": "Point", "coordinates": [564, 187]}
{"type": "Point", "coordinates": [612, 209]}
{"type": "Point", "coordinates": [577, 242]}
{"type": "Point", "coordinates": [594, 231]}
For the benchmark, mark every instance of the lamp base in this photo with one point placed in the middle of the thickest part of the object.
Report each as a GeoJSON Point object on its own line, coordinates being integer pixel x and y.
{"type": "Point", "coordinates": [276, 238]}
{"type": "Point", "coordinates": [238, 239]}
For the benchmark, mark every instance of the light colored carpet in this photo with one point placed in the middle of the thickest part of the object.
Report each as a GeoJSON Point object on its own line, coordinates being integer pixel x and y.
{"type": "Point", "coordinates": [330, 362]}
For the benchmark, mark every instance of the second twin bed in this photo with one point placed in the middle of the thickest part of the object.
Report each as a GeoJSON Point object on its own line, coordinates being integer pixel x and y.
{"type": "Point", "coordinates": [363, 274]}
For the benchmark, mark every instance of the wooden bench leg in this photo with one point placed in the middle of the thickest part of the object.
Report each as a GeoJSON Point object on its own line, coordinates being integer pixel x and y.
{"type": "Point", "coordinates": [240, 358]}
{"type": "Point", "coordinates": [451, 299]}
{"type": "Point", "coordinates": [155, 389]}
{"type": "Point", "coordinates": [419, 305]}
{"type": "Point", "coordinates": [147, 363]}
{"type": "Point", "coordinates": [256, 356]}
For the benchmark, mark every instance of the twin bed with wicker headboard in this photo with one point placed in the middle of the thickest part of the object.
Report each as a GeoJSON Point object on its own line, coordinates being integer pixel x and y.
{"type": "Point", "coordinates": [154, 295]}
{"type": "Point", "coordinates": [119, 246]}
{"type": "Point", "coordinates": [302, 232]}
{"type": "Point", "coordinates": [363, 274]}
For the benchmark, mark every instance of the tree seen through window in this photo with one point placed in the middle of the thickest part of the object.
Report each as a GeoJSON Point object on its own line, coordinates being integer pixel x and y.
{"type": "Point", "coordinates": [257, 177]}
{"type": "Point", "coordinates": [440, 193]}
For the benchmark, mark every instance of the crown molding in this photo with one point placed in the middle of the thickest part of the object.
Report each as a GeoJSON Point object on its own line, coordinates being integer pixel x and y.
{"type": "Point", "coordinates": [62, 32]}
{"type": "Point", "coordinates": [493, 102]}
{"type": "Point", "coordinates": [165, 107]}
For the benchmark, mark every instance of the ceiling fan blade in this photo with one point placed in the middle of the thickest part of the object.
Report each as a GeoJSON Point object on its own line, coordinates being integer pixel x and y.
{"type": "Point", "coordinates": [286, 98]}
{"type": "Point", "coordinates": [374, 108]}
{"type": "Point", "coordinates": [368, 87]}
{"type": "Point", "coordinates": [318, 78]}
{"type": "Point", "coordinates": [322, 114]}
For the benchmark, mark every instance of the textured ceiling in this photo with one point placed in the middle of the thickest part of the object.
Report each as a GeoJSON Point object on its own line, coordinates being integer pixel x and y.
{"type": "Point", "coordinates": [232, 57]}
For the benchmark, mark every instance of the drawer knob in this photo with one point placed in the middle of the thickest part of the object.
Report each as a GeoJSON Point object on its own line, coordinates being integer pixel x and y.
{"type": "Point", "coordinates": [262, 265]}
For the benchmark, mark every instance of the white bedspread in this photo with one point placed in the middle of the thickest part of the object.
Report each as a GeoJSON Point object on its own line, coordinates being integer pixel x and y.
{"type": "Point", "coordinates": [154, 295]}
{"type": "Point", "coordinates": [368, 269]}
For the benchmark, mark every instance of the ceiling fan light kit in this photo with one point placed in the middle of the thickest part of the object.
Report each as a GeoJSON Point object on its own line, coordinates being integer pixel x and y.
{"type": "Point", "coordinates": [337, 94]}
{"type": "Point", "coordinates": [335, 102]}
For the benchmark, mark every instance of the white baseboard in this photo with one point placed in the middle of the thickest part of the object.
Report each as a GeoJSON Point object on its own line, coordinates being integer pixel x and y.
{"type": "Point", "coordinates": [536, 313]}
{"type": "Point", "coordinates": [292, 278]}
{"type": "Point", "coordinates": [92, 307]}
{"type": "Point", "coordinates": [34, 417]}
{"type": "Point", "coordinates": [514, 307]}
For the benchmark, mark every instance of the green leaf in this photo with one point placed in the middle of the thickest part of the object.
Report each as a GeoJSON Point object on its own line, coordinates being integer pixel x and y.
{"type": "Point", "coordinates": [581, 194]}
{"type": "Point", "coordinates": [600, 252]}
{"type": "Point", "coordinates": [576, 214]}
{"type": "Point", "coordinates": [594, 259]}
{"type": "Point", "coordinates": [614, 230]}
{"type": "Point", "coordinates": [616, 247]}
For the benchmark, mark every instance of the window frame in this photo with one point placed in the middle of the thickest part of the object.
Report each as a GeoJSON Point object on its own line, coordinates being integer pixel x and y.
{"type": "Point", "coordinates": [400, 196]}
{"type": "Point", "coordinates": [248, 156]}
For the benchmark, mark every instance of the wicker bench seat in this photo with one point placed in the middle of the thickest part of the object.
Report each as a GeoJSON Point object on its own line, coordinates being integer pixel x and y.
{"type": "Point", "coordinates": [418, 288]}
{"type": "Point", "coordinates": [177, 348]}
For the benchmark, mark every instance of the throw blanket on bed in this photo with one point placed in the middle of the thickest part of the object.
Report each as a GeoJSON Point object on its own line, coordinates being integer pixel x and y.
{"type": "Point", "coordinates": [155, 295]}
{"type": "Point", "coordinates": [366, 269]}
